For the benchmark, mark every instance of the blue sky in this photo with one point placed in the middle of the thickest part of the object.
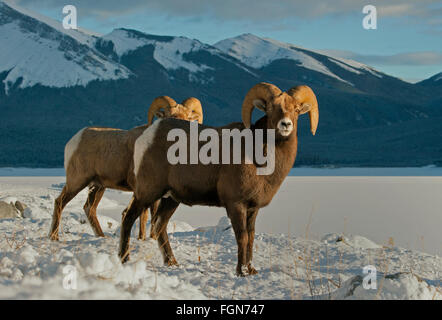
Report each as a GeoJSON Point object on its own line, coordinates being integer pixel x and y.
{"type": "Point", "coordinates": [407, 42]}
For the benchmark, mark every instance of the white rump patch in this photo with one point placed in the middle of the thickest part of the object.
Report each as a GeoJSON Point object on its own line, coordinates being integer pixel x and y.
{"type": "Point", "coordinates": [143, 143]}
{"type": "Point", "coordinates": [71, 146]}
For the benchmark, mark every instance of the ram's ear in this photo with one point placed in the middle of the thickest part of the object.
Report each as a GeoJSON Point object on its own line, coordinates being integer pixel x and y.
{"type": "Point", "coordinates": [160, 113]}
{"type": "Point", "coordinates": [260, 104]}
{"type": "Point", "coordinates": [306, 97]}
{"type": "Point", "coordinates": [304, 108]}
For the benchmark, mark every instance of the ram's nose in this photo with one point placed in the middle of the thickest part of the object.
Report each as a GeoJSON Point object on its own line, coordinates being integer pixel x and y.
{"type": "Point", "coordinates": [286, 124]}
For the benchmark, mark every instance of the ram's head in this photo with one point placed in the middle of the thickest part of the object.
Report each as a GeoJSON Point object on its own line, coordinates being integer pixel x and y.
{"type": "Point", "coordinates": [165, 107]}
{"type": "Point", "coordinates": [282, 108]}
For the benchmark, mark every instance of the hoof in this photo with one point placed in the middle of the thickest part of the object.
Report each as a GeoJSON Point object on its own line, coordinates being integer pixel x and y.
{"type": "Point", "coordinates": [153, 236]}
{"type": "Point", "coordinates": [246, 271]}
{"type": "Point", "coordinates": [252, 271]}
{"type": "Point", "coordinates": [142, 238]}
{"type": "Point", "coordinates": [171, 262]}
{"type": "Point", "coordinates": [54, 237]}
{"type": "Point", "coordinates": [124, 258]}
{"type": "Point", "coordinates": [241, 271]}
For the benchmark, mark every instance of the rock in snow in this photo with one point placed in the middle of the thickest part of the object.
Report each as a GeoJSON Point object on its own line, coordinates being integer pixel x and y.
{"type": "Point", "coordinates": [9, 210]}
{"type": "Point", "coordinates": [354, 241]}
{"type": "Point", "coordinates": [399, 286]}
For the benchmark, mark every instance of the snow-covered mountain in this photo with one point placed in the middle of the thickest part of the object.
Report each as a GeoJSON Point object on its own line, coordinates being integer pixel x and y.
{"type": "Point", "coordinates": [434, 86]}
{"type": "Point", "coordinates": [37, 50]}
{"type": "Point", "coordinates": [172, 53]}
{"type": "Point", "coordinates": [62, 80]}
{"type": "Point", "coordinates": [40, 51]}
{"type": "Point", "coordinates": [260, 52]}
{"type": "Point", "coordinates": [437, 77]}
{"type": "Point", "coordinates": [169, 51]}
{"type": "Point", "coordinates": [433, 80]}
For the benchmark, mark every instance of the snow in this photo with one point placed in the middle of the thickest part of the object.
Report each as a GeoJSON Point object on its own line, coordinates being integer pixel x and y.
{"type": "Point", "coordinates": [290, 267]}
{"type": "Point", "coordinates": [35, 55]}
{"type": "Point", "coordinates": [123, 41]}
{"type": "Point", "coordinates": [427, 171]}
{"type": "Point", "coordinates": [38, 56]}
{"type": "Point", "coordinates": [170, 54]}
{"type": "Point", "coordinates": [32, 172]}
{"type": "Point", "coordinates": [344, 66]}
{"type": "Point", "coordinates": [400, 286]}
{"type": "Point", "coordinates": [353, 241]}
{"type": "Point", "coordinates": [357, 65]}
{"type": "Point", "coordinates": [8, 199]}
{"type": "Point", "coordinates": [350, 65]}
{"type": "Point", "coordinates": [257, 53]}
{"type": "Point", "coordinates": [81, 35]}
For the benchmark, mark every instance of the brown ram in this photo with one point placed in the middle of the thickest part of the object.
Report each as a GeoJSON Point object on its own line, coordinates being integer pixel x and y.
{"type": "Point", "coordinates": [236, 187]}
{"type": "Point", "coordinates": [102, 158]}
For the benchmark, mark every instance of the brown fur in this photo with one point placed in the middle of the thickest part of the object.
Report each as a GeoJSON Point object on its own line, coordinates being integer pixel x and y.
{"type": "Point", "coordinates": [104, 159]}
{"type": "Point", "coordinates": [235, 187]}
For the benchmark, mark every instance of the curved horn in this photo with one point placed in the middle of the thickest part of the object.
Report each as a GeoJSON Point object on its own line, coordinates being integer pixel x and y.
{"type": "Point", "coordinates": [195, 105]}
{"type": "Point", "coordinates": [157, 104]}
{"type": "Point", "coordinates": [305, 96]}
{"type": "Point", "coordinates": [261, 91]}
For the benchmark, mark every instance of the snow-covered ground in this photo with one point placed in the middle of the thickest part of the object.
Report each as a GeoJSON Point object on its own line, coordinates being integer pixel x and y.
{"type": "Point", "coordinates": [293, 265]}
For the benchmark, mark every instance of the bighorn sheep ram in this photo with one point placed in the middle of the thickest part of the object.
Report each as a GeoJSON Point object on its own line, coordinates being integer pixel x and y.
{"type": "Point", "coordinates": [103, 158]}
{"type": "Point", "coordinates": [236, 187]}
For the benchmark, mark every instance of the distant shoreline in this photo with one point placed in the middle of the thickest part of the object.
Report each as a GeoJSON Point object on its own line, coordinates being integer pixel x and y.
{"type": "Point", "coordinates": [428, 171]}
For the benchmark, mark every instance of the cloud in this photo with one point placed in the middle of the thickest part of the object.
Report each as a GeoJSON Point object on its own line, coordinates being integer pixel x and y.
{"type": "Point", "coordinates": [423, 58]}
{"type": "Point", "coordinates": [249, 10]}
{"type": "Point", "coordinates": [397, 9]}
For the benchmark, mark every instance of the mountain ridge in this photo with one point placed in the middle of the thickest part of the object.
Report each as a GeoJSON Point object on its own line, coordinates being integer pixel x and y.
{"type": "Point", "coordinates": [37, 53]}
{"type": "Point", "coordinates": [356, 101]}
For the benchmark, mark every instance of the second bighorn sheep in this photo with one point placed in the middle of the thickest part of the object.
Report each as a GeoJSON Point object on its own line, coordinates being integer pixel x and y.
{"type": "Point", "coordinates": [236, 187]}
{"type": "Point", "coordinates": [102, 158]}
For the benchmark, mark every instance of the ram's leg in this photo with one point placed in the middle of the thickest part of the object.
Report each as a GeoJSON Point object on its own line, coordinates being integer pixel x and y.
{"type": "Point", "coordinates": [143, 219]}
{"type": "Point", "coordinates": [166, 249]}
{"type": "Point", "coordinates": [159, 223]}
{"type": "Point", "coordinates": [164, 211]}
{"type": "Point", "coordinates": [238, 216]}
{"type": "Point", "coordinates": [251, 218]}
{"type": "Point", "coordinates": [130, 214]}
{"type": "Point", "coordinates": [67, 194]}
{"type": "Point", "coordinates": [154, 208]}
{"type": "Point", "coordinates": [96, 192]}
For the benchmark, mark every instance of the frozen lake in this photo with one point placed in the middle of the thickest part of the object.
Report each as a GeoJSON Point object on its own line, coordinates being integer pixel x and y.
{"type": "Point", "coordinates": [402, 203]}
{"type": "Point", "coordinates": [298, 171]}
